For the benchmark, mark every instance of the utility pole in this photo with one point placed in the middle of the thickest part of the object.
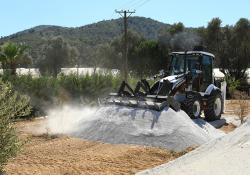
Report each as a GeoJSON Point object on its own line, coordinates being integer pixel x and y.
{"type": "Point", "coordinates": [125, 14]}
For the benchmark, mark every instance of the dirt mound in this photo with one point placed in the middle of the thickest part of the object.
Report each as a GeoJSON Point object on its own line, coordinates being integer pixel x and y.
{"type": "Point", "coordinates": [223, 156]}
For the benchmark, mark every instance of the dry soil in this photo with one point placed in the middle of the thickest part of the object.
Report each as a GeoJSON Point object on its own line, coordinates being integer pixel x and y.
{"type": "Point", "coordinates": [46, 154]}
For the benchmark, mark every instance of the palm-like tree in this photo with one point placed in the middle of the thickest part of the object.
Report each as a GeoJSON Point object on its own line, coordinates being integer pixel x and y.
{"type": "Point", "coordinates": [10, 55]}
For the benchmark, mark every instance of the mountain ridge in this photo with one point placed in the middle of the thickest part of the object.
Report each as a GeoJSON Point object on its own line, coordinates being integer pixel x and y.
{"type": "Point", "coordinates": [86, 37]}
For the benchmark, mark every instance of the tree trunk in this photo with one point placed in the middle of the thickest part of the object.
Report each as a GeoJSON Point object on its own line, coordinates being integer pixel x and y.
{"type": "Point", "coordinates": [13, 69]}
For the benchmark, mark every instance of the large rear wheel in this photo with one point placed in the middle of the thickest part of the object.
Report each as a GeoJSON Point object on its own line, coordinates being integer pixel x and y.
{"type": "Point", "coordinates": [214, 106]}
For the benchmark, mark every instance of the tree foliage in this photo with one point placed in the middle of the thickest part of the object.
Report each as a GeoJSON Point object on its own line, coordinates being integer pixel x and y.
{"type": "Point", "coordinates": [233, 49]}
{"type": "Point", "coordinates": [214, 35]}
{"type": "Point", "coordinates": [57, 54]}
{"type": "Point", "coordinates": [12, 55]}
{"type": "Point", "coordinates": [176, 28]}
{"type": "Point", "coordinates": [12, 105]}
{"type": "Point", "coordinates": [149, 58]}
{"type": "Point", "coordinates": [112, 53]}
{"type": "Point", "coordinates": [145, 57]}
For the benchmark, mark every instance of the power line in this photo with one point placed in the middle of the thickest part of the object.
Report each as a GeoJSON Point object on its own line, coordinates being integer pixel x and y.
{"type": "Point", "coordinates": [126, 4]}
{"type": "Point", "coordinates": [142, 4]}
{"type": "Point", "coordinates": [125, 14]}
{"type": "Point", "coordinates": [131, 4]}
{"type": "Point", "coordinates": [134, 3]}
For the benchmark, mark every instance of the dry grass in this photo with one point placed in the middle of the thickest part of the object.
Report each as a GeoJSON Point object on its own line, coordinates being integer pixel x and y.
{"type": "Point", "coordinates": [243, 109]}
{"type": "Point", "coordinates": [45, 154]}
{"type": "Point", "coordinates": [233, 105]}
{"type": "Point", "coordinates": [239, 107]}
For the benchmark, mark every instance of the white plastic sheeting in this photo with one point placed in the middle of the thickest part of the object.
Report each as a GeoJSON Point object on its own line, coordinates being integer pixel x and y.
{"type": "Point", "coordinates": [25, 71]}
{"type": "Point", "coordinates": [89, 71]}
{"type": "Point", "coordinates": [34, 72]}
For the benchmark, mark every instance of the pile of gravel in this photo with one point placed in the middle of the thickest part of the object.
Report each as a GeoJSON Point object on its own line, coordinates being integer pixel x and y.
{"type": "Point", "coordinates": [227, 155]}
{"type": "Point", "coordinates": [166, 129]}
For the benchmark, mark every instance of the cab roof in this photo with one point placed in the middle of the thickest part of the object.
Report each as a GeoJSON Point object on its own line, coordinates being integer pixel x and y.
{"type": "Point", "coordinates": [194, 52]}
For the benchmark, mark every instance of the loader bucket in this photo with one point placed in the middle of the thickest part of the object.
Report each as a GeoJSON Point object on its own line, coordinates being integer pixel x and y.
{"type": "Point", "coordinates": [152, 102]}
{"type": "Point", "coordinates": [126, 96]}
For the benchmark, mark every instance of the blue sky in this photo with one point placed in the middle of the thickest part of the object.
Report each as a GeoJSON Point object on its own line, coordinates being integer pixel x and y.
{"type": "Point", "coordinates": [17, 15]}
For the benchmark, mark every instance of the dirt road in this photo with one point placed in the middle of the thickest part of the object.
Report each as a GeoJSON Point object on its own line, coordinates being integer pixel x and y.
{"type": "Point", "coordinates": [45, 154]}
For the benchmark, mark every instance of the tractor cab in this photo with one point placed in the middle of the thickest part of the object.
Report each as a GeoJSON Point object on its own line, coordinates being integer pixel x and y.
{"type": "Point", "coordinates": [197, 64]}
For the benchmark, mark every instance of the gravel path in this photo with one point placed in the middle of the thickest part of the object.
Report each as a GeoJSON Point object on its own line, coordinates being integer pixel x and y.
{"type": "Point", "coordinates": [228, 155]}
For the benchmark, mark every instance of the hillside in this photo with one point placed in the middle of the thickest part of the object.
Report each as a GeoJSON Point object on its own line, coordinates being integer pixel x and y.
{"type": "Point", "coordinates": [85, 38]}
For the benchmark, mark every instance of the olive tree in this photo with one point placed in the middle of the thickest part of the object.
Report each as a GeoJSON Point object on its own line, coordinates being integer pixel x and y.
{"type": "Point", "coordinates": [56, 54]}
{"type": "Point", "coordinates": [12, 105]}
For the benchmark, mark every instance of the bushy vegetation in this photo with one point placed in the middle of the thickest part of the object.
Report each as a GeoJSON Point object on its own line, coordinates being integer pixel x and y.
{"type": "Point", "coordinates": [12, 105]}
{"type": "Point", "coordinates": [46, 90]}
{"type": "Point", "coordinates": [232, 85]}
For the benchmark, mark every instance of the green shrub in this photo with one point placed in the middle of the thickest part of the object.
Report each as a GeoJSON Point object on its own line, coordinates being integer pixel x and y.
{"type": "Point", "coordinates": [232, 85]}
{"type": "Point", "coordinates": [46, 91]}
{"type": "Point", "coordinates": [12, 105]}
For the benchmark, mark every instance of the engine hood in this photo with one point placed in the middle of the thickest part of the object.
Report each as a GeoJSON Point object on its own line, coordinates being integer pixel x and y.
{"type": "Point", "coordinates": [172, 78]}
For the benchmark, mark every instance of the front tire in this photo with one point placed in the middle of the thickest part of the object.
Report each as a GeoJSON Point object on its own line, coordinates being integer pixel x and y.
{"type": "Point", "coordinates": [214, 106]}
{"type": "Point", "coordinates": [192, 105]}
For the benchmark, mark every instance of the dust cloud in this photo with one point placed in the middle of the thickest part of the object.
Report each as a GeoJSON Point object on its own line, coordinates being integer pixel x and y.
{"type": "Point", "coordinates": [66, 119]}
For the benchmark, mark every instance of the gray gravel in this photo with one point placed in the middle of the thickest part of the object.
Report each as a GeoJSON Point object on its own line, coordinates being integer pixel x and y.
{"type": "Point", "coordinates": [166, 129]}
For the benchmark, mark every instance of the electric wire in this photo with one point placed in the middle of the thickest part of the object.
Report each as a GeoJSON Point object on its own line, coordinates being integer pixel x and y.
{"type": "Point", "coordinates": [126, 4]}
{"type": "Point", "coordinates": [135, 3]}
{"type": "Point", "coordinates": [142, 4]}
{"type": "Point", "coordinates": [132, 4]}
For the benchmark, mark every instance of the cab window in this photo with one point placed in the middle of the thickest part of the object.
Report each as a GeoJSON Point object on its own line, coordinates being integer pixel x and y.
{"type": "Point", "coordinates": [207, 70]}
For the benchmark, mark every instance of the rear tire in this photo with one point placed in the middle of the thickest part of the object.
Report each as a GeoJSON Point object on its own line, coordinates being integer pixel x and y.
{"type": "Point", "coordinates": [214, 106]}
{"type": "Point", "coordinates": [192, 105]}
